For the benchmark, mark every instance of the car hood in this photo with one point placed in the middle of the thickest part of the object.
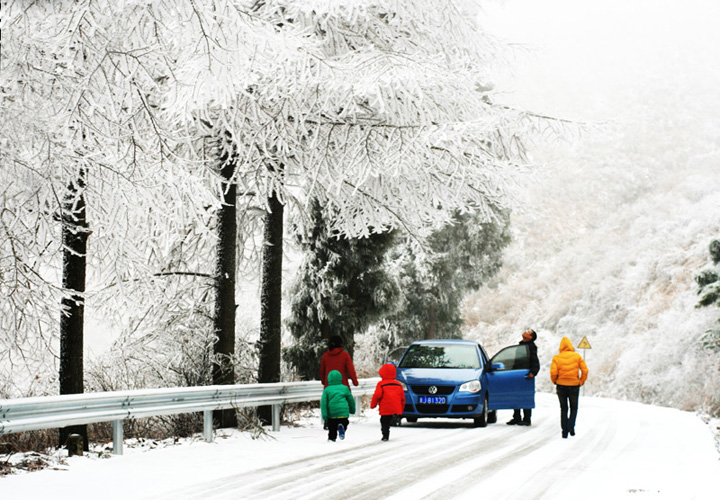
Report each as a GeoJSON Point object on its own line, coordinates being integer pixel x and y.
{"type": "Point", "coordinates": [438, 376]}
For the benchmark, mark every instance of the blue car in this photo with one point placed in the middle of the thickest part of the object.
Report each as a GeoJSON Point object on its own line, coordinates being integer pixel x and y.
{"type": "Point", "coordinates": [456, 379]}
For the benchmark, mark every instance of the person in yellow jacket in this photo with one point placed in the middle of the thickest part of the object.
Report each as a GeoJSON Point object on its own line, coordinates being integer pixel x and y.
{"type": "Point", "coordinates": [568, 372]}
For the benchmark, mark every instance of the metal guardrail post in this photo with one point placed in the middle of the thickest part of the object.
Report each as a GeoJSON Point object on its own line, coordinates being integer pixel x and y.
{"type": "Point", "coordinates": [358, 404]}
{"type": "Point", "coordinates": [208, 425]}
{"type": "Point", "coordinates": [276, 418]}
{"type": "Point", "coordinates": [117, 437]}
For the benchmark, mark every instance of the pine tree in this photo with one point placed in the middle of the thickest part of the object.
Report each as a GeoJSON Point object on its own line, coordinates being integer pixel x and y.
{"type": "Point", "coordinates": [709, 290]}
{"type": "Point", "coordinates": [435, 274]}
{"type": "Point", "coordinates": [340, 289]}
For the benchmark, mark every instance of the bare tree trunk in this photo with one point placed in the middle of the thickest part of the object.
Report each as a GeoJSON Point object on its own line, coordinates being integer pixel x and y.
{"type": "Point", "coordinates": [271, 298]}
{"type": "Point", "coordinates": [226, 268]}
{"type": "Point", "coordinates": [74, 240]}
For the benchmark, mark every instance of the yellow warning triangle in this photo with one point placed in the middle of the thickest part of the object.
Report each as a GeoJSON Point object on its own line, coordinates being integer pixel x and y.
{"type": "Point", "coordinates": [584, 344]}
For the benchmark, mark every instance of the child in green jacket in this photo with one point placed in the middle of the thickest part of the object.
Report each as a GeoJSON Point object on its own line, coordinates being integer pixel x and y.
{"type": "Point", "coordinates": [336, 405]}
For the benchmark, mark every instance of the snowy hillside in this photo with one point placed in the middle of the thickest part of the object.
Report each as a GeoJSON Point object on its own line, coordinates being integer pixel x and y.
{"type": "Point", "coordinates": [616, 226]}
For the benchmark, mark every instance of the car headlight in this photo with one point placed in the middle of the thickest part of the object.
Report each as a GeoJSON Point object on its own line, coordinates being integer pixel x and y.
{"type": "Point", "coordinates": [472, 386]}
{"type": "Point", "coordinates": [403, 386]}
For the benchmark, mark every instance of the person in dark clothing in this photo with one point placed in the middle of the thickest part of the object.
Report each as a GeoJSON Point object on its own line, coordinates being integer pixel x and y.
{"type": "Point", "coordinates": [336, 358]}
{"type": "Point", "coordinates": [528, 339]}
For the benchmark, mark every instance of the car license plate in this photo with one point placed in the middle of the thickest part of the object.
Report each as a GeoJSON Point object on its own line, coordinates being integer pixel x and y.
{"type": "Point", "coordinates": [432, 400]}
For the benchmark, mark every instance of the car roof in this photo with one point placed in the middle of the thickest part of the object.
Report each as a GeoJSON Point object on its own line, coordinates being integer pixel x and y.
{"type": "Point", "coordinates": [445, 341]}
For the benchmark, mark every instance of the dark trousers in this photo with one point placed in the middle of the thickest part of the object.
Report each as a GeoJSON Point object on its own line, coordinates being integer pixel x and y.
{"type": "Point", "coordinates": [568, 396]}
{"type": "Point", "coordinates": [528, 414]}
{"type": "Point", "coordinates": [385, 422]}
{"type": "Point", "coordinates": [333, 425]}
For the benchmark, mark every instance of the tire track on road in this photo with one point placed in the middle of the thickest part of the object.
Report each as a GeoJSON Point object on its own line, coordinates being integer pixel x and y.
{"type": "Point", "coordinates": [263, 481]}
{"type": "Point", "coordinates": [475, 470]}
{"type": "Point", "coordinates": [476, 455]}
{"type": "Point", "coordinates": [343, 474]}
{"type": "Point", "coordinates": [571, 456]}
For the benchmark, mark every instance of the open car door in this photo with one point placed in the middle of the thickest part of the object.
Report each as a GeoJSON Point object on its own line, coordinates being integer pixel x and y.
{"type": "Point", "coordinates": [508, 385]}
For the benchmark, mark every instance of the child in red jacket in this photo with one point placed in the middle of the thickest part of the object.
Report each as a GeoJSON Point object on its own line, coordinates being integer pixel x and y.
{"type": "Point", "coordinates": [389, 394]}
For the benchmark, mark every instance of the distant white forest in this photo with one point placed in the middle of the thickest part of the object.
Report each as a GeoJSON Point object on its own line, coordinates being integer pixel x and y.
{"type": "Point", "coordinates": [619, 223]}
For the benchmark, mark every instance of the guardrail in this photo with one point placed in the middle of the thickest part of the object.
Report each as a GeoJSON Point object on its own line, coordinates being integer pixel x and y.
{"type": "Point", "coordinates": [47, 412]}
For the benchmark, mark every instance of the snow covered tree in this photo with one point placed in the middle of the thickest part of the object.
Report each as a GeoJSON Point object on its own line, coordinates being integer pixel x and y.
{"type": "Point", "coordinates": [379, 108]}
{"type": "Point", "coordinates": [80, 84]}
{"type": "Point", "coordinates": [389, 118]}
{"type": "Point", "coordinates": [74, 133]}
{"type": "Point", "coordinates": [341, 288]}
{"type": "Point", "coordinates": [709, 290]}
{"type": "Point", "coordinates": [709, 279]}
{"type": "Point", "coordinates": [269, 345]}
{"type": "Point", "coordinates": [225, 278]}
{"type": "Point", "coordinates": [435, 274]}
{"type": "Point", "coordinates": [72, 320]}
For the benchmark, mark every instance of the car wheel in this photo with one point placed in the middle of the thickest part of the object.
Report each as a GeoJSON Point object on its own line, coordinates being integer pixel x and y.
{"type": "Point", "coordinates": [482, 419]}
{"type": "Point", "coordinates": [411, 420]}
{"type": "Point", "coordinates": [492, 417]}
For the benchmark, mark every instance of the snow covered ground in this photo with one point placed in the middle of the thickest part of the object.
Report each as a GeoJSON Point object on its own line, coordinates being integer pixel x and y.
{"type": "Point", "coordinates": [621, 450]}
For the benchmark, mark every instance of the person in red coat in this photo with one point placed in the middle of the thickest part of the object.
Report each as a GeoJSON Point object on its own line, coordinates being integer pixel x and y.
{"type": "Point", "coordinates": [336, 358]}
{"type": "Point", "coordinates": [390, 395]}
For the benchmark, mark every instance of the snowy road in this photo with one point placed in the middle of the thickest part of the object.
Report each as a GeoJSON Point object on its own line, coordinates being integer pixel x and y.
{"type": "Point", "coordinates": [622, 450]}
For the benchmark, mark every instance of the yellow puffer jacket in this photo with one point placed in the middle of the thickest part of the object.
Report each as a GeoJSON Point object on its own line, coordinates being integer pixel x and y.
{"type": "Point", "coordinates": [568, 367]}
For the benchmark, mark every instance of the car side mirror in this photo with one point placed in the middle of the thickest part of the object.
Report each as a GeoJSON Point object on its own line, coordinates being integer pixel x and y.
{"type": "Point", "coordinates": [497, 366]}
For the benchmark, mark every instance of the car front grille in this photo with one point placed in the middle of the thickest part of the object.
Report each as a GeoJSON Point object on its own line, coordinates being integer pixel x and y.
{"type": "Point", "coordinates": [432, 408]}
{"type": "Point", "coordinates": [442, 390]}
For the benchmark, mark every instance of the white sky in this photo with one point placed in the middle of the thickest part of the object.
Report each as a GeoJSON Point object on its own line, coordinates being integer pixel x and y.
{"type": "Point", "coordinates": [593, 59]}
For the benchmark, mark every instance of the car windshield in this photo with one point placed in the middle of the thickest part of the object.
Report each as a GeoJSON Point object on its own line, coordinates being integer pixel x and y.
{"type": "Point", "coordinates": [441, 356]}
